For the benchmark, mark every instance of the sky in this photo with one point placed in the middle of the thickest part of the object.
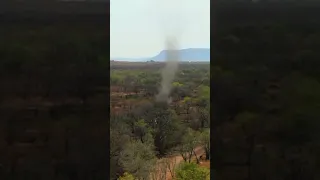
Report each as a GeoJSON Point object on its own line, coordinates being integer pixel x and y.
{"type": "Point", "coordinates": [138, 28]}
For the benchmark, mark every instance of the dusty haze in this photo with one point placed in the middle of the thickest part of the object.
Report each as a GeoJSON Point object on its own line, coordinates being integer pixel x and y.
{"type": "Point", "coordinates": [169, 71]}
{"type": "Point", "coordinates": [172, 24]}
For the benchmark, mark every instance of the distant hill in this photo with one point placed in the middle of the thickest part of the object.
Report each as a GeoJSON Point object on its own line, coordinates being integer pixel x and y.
{"type": "Point", "coordinates": [191, 54]}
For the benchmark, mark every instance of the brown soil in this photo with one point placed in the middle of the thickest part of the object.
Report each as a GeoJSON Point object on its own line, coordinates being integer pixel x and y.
{"type": "Point", "coordinates": [177, 159]}
{"type": "Point", "coordinates": [205, 164]}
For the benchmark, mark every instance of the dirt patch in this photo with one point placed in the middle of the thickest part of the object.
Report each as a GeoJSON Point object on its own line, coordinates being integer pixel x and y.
{"type": "Point", "coordinates": [205, 164]}
{"type": "Point", "coordinates": [175, 160]}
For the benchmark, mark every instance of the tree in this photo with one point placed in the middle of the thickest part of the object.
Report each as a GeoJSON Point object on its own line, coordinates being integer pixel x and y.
{"type": "Point", "coordinates": [190, 141]}
{"type": "Point", "coordinates": [187, 103]}
{"type": "Point", "coordinates": [119, 132]}
{"type": "Point", "coordinates": [114, 79]}
{"type": "Point", "coordinates": [138, 159]}
{"type": "Point", "coordinates": [203, 104]}
{"type": "Point", "coordinates": [205, 141]}
{"type": "Point", "coordinates": [177, 91]}
{"type": "Point", "coordinates": [167, 128]}
{"type": "Point", "coordinates": [143, 132]}
{"type": "Point", "coordinates": [126, 176]}
{"type": "Point", "coordinates": [191, 171]}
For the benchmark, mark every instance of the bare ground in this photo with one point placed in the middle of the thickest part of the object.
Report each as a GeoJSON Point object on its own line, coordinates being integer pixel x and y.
{"type": "Point", "coordinates": [174, 161]}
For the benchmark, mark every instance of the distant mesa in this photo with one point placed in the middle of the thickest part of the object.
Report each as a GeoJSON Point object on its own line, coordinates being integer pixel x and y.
{"type": "Point", "coordinates": [191, 54]}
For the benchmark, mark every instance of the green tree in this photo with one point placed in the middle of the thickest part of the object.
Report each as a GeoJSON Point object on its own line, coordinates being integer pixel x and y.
{"type": "Point", "coordinates": [119, 132]}
{"type": "Point", "coordinates": [126, 176]}
{"type": "Point", "coordinates": [138, 159]}
{"type": "Point", "coordinates": [202, 103]}
{"type": "Point", "coordinates": [166, 127]}
{"type": "Point", "coordinates": [143, 132]}
{"type": "Point", "coordinates": [191, 171]}
{"type": "Point", "coordinates": [205, 141]}
{"type": "Point", "coordinates": [187, 103]}
{"type": "Point", "coordinates": [190, 140]}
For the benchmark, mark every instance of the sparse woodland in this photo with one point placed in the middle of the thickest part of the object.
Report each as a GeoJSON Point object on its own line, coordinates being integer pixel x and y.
{"type": "Point", "coordinates": [149, 140]}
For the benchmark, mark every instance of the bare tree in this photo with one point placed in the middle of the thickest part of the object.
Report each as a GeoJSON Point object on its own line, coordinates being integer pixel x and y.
{"type": "Point", "coordinates": [190, 141]}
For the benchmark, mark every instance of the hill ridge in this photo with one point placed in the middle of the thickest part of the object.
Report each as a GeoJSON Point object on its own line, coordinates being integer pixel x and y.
{"type": "Point", "coordinates": [186, 54]}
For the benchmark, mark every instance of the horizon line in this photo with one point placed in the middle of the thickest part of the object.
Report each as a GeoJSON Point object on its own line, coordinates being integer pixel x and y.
{"type": "Point", "coordinates": [143, 57]}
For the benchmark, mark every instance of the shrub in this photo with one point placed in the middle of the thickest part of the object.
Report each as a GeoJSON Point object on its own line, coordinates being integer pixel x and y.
{"type": "Point", "coordinates": [191, 171]}
{"type": "Point", "coordinates": [126, 176]}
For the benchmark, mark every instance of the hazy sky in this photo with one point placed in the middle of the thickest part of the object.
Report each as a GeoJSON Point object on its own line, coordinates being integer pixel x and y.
{"type": "Point", "coordinates": [138, 27]}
